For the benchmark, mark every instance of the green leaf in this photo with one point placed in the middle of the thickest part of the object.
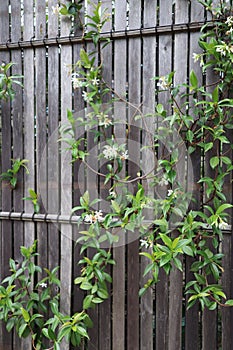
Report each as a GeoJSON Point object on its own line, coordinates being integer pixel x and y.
{"type": "Point", "coordinates": [178, 264]}
{"type": "Point", "coordinates": [32, 194]}
{"type": "Point", "coordinates": [102, 293]}
{"type": "Point", "coordinates": [86, 286]}
{"type": "Point", "coordinates": [207, 146]}
{"type": "Point", "coordinates": [159, 108]}
{"type": "Point", "coordinates": [226, 160]}
{"type": "Point", "coordinates": [215, 95]}
{"type": "Point", "coordinates": [82, 331]}
{"type": "Point", "coordinates": [189, 135]}
{"type": "Point", "coordinates": [87, 302]}
{"type": "Point", "coordinates": [229, 302]}
{"type": "Point", "coordinates": [25, 314]}
{"type": "Point", "coordinates": [166, 240]}
{"type": "Point", "coordinates": [193, 80]}
{"type": "Point", "coordinates": [187, 250]}
{"type": "Point", "coordinates": [214, 161]}
{"type": "Point", "coordinates": [223, 207]}
{"type": "Point", "coordinates": [21, 330]}
{"type": "Point", "coordinates": [116, 207]}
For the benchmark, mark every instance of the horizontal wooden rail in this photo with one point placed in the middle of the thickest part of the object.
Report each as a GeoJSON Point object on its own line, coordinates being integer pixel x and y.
{"type": "Point", "coordinates": [61, 219]}
{"type": "Point", "coordinates": [127, 33]}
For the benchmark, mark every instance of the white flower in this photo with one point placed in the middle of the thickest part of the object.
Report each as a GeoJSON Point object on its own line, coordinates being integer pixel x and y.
{"type": "Point", "coordinates": [112, 194]}
{"type": "Point", "coordinates": [43, 285]}
{"type": "Point", "coordinates": [163, 182]}
{"type": "Point", "coordinates": [95, 81]}
{"type": "Point", "coordinates": [56, 9]}
{"type": "Point", "coordinates": [77, 83]}
{"type": "Point", "coordinates": [229, 21]}
{"type": "Point", "coordinates": [196, 57]}
{"type": "Point", "coordinates": [99, 215]}
{"type": "Point", "coordinates": [86, 97]}
{"type": "Point", "coordinates": [223, 225]}
{"type": "Point", "coordinates": [144, 243]}
{"type": "Point", "coordinates": [163, 83]}
{"type": "Point", "coordinates": [89, 218]}
{"type": "Point", "coordinates": [169, 193]}
{"type": "Point", "coordinates": [110, 152]}
{"type": "Point", "coordinates": [104, 120]}
{"type": "Point", "coordinates": [221, 49]}
{"type": "Point", "coordinates": [124, 155]}
{"type": "Point", "coordinates": [92, 218]}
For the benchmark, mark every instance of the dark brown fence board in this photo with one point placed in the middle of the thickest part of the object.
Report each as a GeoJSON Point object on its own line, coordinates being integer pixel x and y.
{"type": "Point", "coordinates": [192, 328]}
{"type": "Point", "coordinates": [164, 68]}
{"type": "Point", "coordinates": [105, 311]}
{"type": "Point", "coordinates": [17, 140]}
{"type": "Point", "coordinates": [29, 127]}
{"type": "Point", "coordinates": [93, 189]}
{"type": "Point", "coordinates": [119, 291]}
{"type": "Point", "coordinates": [148, 87]}
{"type": "Point", "coordinates": [226, 313]}
{"type": "Point", "coordinates": [134, 95]}
{"type": "Point", "coordinates": [209, 318]}
{"type": "Point", "coordinates": [41, 128]}
{"type": "Point", "coordinates": [6, 227]}
{"type": "Point", "coordinates": [66, 183]}
{"type": "Point", "coordinates": [53, 203]}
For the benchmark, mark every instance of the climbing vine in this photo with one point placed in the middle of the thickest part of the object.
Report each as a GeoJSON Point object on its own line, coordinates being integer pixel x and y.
{"type": "Point", "coordinates": [202, 116]}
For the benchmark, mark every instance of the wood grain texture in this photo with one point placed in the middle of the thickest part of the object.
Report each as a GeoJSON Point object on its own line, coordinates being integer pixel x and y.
{"type": "Point", "coordinates": [118, 292]}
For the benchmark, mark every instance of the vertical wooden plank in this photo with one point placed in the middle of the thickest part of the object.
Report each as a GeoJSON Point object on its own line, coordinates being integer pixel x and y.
{"type": "Point", "coordinates": [92, 187]}
{"type": "Point", "coordinates": [66, 179]}
{"type": "Point", "coordinates": [118, 296]}
{"type": "Point", "coordinates": [41, 127]}
{"type": "Point", "coordinates": [79, 182]}
{"type": "Point", "coordinates": [148, 96]}
{"type": "Point", "coordinates": [192, 336]}
{"type": "Point", "coordinates": [29, 116]}
{"type": "Point", "coordinates": [53, 147]}
{"type": "Point", "coordinates": [164, 68]}
{"type": "Point", "coordinates": [6, 227]}
{"type": "Point", "coordinates": [17, 126]}
{"type": "Point", "coordinates": [105, 336]}
{"type": "Point", "coordinates": [209, 318]}
{"type": "Point", "coordinates": [29, 127]}
{"type": "Point", "coordinates": [227, 313]}
{"type": "Point", "coordinates": [134, 80]}
{"type": "Point", "coordinates": [176, 277]}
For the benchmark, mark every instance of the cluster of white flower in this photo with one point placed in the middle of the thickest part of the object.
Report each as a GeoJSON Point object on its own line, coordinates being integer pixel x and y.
{"type": "Point", "coordinates": [163, 83]}
{"type": "Point", "coordinates": [224, 49]}
{"type": "Point", "coordinates": [110, 152]}
{"type": "Point", "coordinates": [94, 217]}
{"type": "Point", "coordinates": [76, 81]}
{"type": "Point", "coordinates": [113, 152]}
{"type": "Point", "coordinates": [103, 120]}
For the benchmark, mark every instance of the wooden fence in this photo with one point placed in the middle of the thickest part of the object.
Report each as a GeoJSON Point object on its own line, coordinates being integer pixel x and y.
{"type": "Point", "coordinates": [148, 38]}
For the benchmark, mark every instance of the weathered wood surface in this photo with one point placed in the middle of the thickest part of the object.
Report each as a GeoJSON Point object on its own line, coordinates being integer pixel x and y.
{"type": "Point", "coordinates": [118, 292]}
{"type": "Point", "coordinates": [31, 123]}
